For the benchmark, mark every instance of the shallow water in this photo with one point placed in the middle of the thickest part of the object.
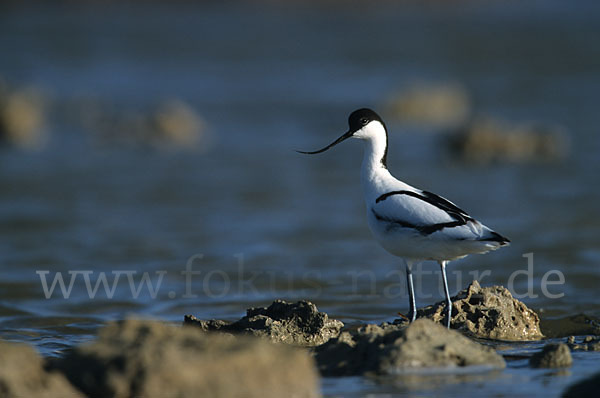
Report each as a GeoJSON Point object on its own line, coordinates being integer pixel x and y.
{"type": "Point", "coordinates": [259, 221]}
{"type": "Point", "coordinates": [518, 379]}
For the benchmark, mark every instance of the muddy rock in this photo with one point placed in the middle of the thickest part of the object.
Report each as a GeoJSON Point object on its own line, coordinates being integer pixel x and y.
{"type": "Point", "coordinates": [148, 359]}
{"type": "Point", "coordinates": [22, 118]}
{"type": "Point", "coordinates": [489, 312]}
{"type": "Point", "coordinates": [552, 356]}
{"type": "Point", "coordinates": [178, 124]}
{"type": "Point", "coordinates": [22, 374]}
{"type": "Point", "coordinates": [586, 388]}
{"type": "Point", "coordinates": [299, 324]}
{"type": "Point", "coordinates": [395, 349]}
{"type": "Point", "coordinates": [589, 343]}
{"type": "Point", "coordinates": [486, 140]}
{"type": "Point", "coordinates": [575, 325]}
{"type": "Point", "coordinates": [440, 105]}
{"type": "Point", "coordinates": [172, 125]}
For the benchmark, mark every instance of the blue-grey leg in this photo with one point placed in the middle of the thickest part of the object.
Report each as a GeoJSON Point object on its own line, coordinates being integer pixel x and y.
{"type": "Point", "coordinates": [412, 314]}
{"type": "Point", "coordinates": [448, 301]}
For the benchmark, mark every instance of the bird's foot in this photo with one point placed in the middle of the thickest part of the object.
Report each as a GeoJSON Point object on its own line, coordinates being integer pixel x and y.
{"type": "Point", "coordinates": [412, 316]}
{"type": "Point", "coordinates": [448, 314]}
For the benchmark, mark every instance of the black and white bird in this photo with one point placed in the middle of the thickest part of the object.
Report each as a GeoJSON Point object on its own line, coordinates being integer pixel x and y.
{"type": "Point", "coordinates": [408, 222]}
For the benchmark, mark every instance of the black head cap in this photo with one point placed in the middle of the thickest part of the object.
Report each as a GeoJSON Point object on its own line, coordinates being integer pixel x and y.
{"type": "Point", "coordinates": [360, 118]}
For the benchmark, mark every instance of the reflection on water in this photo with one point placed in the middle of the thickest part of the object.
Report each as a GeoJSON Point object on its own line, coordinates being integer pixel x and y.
{"type": "Point", "coordinates": [263, 221]}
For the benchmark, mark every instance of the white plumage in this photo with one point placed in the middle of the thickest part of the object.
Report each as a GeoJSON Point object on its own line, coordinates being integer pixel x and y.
{"type": "Point", "coordinates": [389, 220]}
{"type": "Point", "coordinates": [408, 222]}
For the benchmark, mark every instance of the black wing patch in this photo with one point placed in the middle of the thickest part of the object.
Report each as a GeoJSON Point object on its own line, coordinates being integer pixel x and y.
{"type": "Point", "coordinates": [434, 200]}
{"type": "Point", "coordinates": [422, 229]}
{"type": "Point", "coordinates": [496, 237]}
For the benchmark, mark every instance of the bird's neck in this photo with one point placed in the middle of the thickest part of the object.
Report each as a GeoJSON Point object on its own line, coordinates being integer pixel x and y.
{"type": "Point", "coordinates": [374, 166]}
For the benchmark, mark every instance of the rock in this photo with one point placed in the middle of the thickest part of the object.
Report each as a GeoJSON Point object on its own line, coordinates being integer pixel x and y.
{"type": "Point", "coordinates": [589, 343]}
{"type": "Point", "coordinates": [148, 359]}
{"type": "Point", "coordinates": [170, 125]}
{"type": "Point", "coordinates": [393, 349]}
{"type": "Point", "coordinates": [299, 323]}
{"type": "Point", "coordinates": [586, 388]}
{"type": "Point", "coordinates": [22, 374]}
{"type": "Point", "coordinates": [552, 356]}
{"type": "Point", "coordinates": [178, 124]}
{"type": "Point", "coordinates": [487, 140]}
{"type": "Point", "coordinates": [22, 118]}
{"type": "Point", "coordinates": [575, 325]}
{"type": "Point", "coordinates": [489, 312]}
{"type": "Point", "coordinates": [438, 105]}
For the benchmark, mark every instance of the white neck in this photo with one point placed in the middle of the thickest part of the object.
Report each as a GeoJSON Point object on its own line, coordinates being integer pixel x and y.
{"type": "Point", "coordinates": [373, 171]}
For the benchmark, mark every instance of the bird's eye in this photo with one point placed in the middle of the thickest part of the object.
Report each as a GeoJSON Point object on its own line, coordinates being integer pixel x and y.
{"type": "Point", "coordinates": [364, 121]}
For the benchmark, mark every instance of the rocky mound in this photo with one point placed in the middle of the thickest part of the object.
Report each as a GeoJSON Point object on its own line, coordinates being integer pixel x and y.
{"type": "Point", "coordinates": [488, 312]}
{"type": "Point", "coordinates": [392, 349]}
{"type": "Point", "coordinates": [299, 324]}
{"type": "Point", "coordinates": [552, 356]}
{"type": "Point", "coordinates": [151, 359]}
{"type": "Point", "coordinates": [22, 374]}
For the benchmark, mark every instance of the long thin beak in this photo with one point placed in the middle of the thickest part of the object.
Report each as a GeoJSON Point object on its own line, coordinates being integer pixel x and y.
{"type": "Point", "coordinates": [334, 143]}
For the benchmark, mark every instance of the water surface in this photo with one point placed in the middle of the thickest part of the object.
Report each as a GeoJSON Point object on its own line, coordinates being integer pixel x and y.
{"type": "Point", "coordinates": [259, 221]}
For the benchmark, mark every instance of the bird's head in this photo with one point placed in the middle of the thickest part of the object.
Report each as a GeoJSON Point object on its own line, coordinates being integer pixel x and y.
{"type": "Point", "coordinates": [363, 124]}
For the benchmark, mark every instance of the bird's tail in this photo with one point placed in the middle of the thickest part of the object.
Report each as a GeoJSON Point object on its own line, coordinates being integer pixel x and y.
{"type": "Point", "coordinates": [494, 238]}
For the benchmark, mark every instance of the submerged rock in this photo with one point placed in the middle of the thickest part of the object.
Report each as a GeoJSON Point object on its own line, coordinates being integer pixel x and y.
{"type": "Point", "coordinates": [22, 374]}
{"type": "Point", "coordinates": [177, 124]}
{"type": "Point", "coordinates": [393, 349]}
{"type": "Point", "coordinates": [489, 312]}
{"type": "Point", "coordinates": [22, 118]}
{"type": "Point", "coordinates": [298, 323]}
{"type": "Point", "coordinates": [576, 325]}
{"type": "Point", "coordinates": [441, 105]}
{"type": "Point", "coordinates": [149, 359]}
{"type": "Point", "coordinates": [552, 356]}
{"type": "Point", "coordinates": [589, 343]}
{"type": "Point", "coordinates": [488, 140]}
{"type": "Point", "coordinates": [586, 388]}
{"type": "Point", "coordinates": [172, 125]}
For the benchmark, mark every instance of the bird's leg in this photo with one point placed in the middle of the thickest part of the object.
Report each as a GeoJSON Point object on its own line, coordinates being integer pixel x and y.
{"type": "Point", "coordinates": [412, 315]}
{"type": "Point", "coordinates": [448, 301]}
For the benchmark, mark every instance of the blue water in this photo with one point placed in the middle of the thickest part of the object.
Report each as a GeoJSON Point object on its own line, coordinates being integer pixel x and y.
{"type": "Point", "coordinates": [256, 219]}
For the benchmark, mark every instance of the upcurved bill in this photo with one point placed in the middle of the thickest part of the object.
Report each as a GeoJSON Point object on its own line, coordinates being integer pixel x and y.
{"type": "Point", "coordinates": [342, 138]}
